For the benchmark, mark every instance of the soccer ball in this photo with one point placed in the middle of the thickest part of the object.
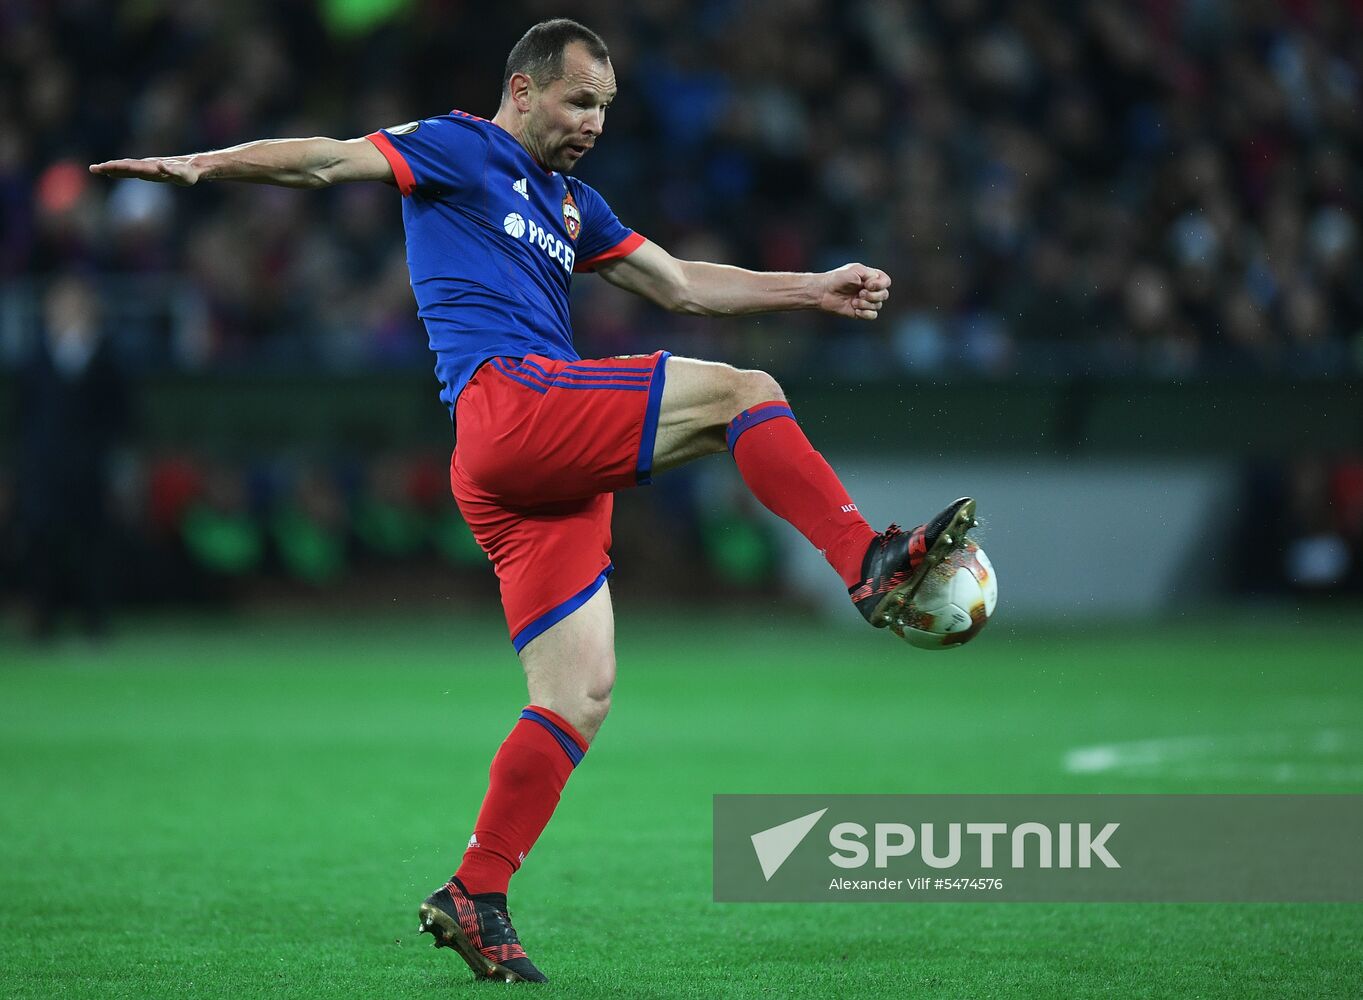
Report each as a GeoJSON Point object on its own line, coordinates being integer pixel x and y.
{"type": "Point", "coordinates": [952, 604]}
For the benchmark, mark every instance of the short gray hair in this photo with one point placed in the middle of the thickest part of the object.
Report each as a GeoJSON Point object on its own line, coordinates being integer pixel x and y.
{"type": "Point", "coordinates": [539, 53]}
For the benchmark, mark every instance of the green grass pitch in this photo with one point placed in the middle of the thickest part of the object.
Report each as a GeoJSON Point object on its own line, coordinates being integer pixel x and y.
{"type": "Point", "coordinates": [255, 807]}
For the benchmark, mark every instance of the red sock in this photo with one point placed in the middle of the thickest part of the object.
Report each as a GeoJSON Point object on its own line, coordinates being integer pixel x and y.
{"type": "Point", "coordinates": [528, 774]}
{"type": "Point", "coordinates": [794, 482]}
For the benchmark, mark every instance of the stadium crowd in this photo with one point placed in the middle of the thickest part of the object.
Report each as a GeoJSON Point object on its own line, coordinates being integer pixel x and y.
{"type": "Point", "coordinates": [1164, 187]}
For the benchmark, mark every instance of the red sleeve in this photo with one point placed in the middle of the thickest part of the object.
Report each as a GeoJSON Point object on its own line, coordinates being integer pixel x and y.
{"type": "Point", "coordinates": [624, 248]}
{"type": "Point", "coordinates": [402, 172]}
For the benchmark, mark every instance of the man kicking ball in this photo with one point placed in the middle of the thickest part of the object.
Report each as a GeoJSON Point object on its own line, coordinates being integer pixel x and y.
{"type": "Point", "coordinates": [495, 231]}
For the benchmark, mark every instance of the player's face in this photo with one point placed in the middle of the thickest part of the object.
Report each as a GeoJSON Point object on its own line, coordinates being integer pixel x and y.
{"type": "Point", "coordinates": [566, 117]}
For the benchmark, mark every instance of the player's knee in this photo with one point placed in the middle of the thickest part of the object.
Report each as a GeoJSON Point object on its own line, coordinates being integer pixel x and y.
{"type": "Point", "coordinates": [594, 709]}
{"type": "Point", "coordinates": [587, 706]}
{"type": "Point", "coordinates": [587, 711]}
{"type": "Point", "coordinates": [753, 387]}
{"type": "Point", "coordinates": [584, 711]}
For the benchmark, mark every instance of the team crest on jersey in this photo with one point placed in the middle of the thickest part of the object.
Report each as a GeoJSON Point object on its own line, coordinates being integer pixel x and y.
{"type": "Point", "coordinates": [572, 218]}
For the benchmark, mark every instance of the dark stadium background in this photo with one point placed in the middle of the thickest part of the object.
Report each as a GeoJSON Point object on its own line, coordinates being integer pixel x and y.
{"type": "Point", "coordinates": [1080, 204]}
{"type": "Point", "coordinates": [1125, 240]}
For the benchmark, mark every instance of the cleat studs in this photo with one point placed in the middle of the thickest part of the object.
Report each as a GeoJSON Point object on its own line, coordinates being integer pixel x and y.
{"type": "Point", "coordinates": [950, 540]}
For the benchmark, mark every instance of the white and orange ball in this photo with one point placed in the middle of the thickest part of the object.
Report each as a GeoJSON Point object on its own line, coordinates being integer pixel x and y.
{"type": "Point", "coordinates": [953, 603]}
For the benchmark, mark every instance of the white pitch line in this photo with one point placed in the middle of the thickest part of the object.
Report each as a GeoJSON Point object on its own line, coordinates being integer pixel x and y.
{"type": "Point", "coordinates": [1329, 756]}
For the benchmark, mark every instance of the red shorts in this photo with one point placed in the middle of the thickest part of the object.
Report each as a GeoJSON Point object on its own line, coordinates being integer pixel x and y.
{"type": "Point", "coordinates": [542, 445]}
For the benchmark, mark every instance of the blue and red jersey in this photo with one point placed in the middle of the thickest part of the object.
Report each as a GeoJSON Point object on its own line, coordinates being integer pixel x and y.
{"type": "Point", "coordinates": [493, 239]}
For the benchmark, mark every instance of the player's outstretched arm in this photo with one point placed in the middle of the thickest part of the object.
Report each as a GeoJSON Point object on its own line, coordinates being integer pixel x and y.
{"type": "Point", "coordinates": [301, 163]}
{"type": "Point", "coordinates": [705, 289]}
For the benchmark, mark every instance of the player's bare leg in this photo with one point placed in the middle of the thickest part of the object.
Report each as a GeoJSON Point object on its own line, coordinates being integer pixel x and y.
{"type": "Point", "coordinates": [700, 398]}
{"type": "Point", "coordinates": [708, 407]}
{"type": "Point", "coordinates": [569, 670]}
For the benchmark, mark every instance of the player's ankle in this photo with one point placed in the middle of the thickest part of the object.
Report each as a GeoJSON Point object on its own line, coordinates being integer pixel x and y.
{"type": "Point", "coordinates": [495, 899]}
{"type": "Point", "coordinates": [474, 883]}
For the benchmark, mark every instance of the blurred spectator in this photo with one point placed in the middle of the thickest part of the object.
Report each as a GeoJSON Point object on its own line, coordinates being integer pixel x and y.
{"type": "Point", "coordinates": [309, 526]}
{"type": "Point", "coordinates": [1325, 544]}
{"type": "Point", "coordinates": [73, 413]}
{"type": "Point", "coordinates": [386, 521]}
{"type": "Point", "coordinates": [220, 534]}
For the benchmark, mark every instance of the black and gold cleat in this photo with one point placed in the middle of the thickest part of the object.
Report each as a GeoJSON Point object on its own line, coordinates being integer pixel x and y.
{"type": "Point", "coordinates": [897, 561]}
{"type": "Point", "coordinates": [480, 931]}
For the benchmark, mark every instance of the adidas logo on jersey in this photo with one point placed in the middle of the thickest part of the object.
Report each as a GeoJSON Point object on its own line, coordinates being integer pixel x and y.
{"type": "Point", "coordinates": [522, 188]}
